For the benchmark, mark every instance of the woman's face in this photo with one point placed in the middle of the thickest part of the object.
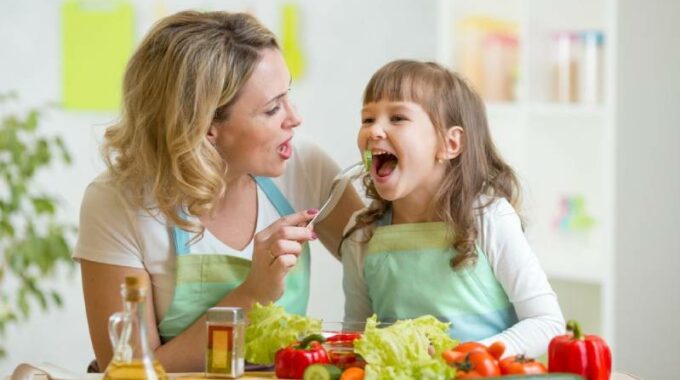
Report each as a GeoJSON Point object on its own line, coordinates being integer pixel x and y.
{"type": "Point", "coordinates": [256, 138]}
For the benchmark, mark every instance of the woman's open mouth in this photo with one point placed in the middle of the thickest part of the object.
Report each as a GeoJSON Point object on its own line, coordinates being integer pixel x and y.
{"type": "Point", "coordinates": [285, 150]}
{"type": "Point", "coordinates": [383, 165]}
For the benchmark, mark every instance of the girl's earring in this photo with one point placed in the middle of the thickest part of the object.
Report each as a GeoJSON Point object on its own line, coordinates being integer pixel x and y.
{"type": "Point", "coordinates": [440, 161]}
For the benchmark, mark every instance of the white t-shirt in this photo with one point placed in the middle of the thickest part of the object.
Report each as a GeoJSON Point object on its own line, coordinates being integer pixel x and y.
{"type": "Point", "coordinates": [513, 263]}
{"type": "Point", "coordinates": [113, 232]}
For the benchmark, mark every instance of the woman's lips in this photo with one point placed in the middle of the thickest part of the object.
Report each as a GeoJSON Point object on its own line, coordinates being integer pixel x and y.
{"type": "Point", "coordinates": [285, 150]}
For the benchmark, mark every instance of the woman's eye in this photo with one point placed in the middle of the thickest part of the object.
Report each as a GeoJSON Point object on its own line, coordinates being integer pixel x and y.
{"type": "Point", "coordinates": [273, 111]}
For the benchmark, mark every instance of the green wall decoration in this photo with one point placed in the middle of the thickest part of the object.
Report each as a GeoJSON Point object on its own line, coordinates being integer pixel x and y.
{"type": "Point", "coordinates": [290, 40]}
{"type": "Point", "coordinates": [33, 241]}
{"type": "Point", "coordinates": [97, 41]}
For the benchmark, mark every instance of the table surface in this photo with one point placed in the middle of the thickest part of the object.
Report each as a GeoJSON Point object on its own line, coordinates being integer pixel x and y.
{"type": "Point", "coordinates": [26, 372]}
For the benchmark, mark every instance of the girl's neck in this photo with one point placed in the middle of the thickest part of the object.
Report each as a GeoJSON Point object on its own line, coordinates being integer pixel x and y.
{"type": "Point", "coordinates": [404, 212]}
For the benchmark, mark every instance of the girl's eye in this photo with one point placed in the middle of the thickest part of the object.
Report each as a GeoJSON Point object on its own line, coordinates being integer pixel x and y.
{"type": "Point", "coordinates": [273, 111]}
{"type": "Point", "coordinates": [397, 118]}
{"type": "Point", "coordinates": [367, 120]}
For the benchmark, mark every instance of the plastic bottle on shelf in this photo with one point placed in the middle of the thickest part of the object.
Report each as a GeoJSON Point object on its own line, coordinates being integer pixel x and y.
{"type": "Point", "coordinates": [566, 67]}
{"type": "Point", "coordinates": [592, 68]}
{"type": "Point", "coordinates": [484, 47]}
{"type": "Point", "coordinates": [500, 67]}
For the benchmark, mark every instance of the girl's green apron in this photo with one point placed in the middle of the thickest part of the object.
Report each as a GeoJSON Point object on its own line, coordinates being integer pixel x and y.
{"type": "Point", "coordinates": [204, 278]}
{"type": "Point", "coordinates": [407, 272]}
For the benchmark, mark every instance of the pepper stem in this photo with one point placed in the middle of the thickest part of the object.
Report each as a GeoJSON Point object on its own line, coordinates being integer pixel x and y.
{"type": "Point", "coordinates": [574, 327]}
{"type": "Point", "coordinates": [311, 338]}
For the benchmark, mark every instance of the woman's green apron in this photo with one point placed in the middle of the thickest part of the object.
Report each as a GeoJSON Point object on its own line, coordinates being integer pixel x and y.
{"type": "Point", "coordinates": [204, 278]}
{"type": "Point", "coordinates": [407, 272]}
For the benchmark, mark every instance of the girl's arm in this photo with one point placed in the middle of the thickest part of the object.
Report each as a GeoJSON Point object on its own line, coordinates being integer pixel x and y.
{"type": "Point", "coordinates": [519, 272]}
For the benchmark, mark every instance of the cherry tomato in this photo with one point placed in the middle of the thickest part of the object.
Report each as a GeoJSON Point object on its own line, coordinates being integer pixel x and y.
{"type": "Point", "coordinates": [521, 365]}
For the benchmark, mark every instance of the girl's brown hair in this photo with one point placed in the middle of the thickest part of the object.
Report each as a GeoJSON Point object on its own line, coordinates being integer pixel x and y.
{"type": "Point", "coordinates": [186, 74]}
{"type": "Point", "coordinates": [479, 170]}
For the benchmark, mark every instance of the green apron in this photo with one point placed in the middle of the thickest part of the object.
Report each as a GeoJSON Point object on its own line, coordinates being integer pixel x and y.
{"type": "Point", "coordinates": [408, 274]}
{"type": "Point", "coordinates": [204, 278]}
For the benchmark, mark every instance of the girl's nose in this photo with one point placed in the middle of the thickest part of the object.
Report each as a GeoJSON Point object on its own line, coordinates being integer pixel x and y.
{"type": "Point", "coordinates": [376, 132]}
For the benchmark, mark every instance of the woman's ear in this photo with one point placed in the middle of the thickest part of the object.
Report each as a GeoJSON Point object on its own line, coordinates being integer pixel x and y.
{"type": "Point", "coordinates": [212, 134]}
{"type": "Point", "coordinates": [453, 144]}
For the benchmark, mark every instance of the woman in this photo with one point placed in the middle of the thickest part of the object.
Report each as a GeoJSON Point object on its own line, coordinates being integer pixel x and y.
{"type": "Point", "coordinates": [203, 177]}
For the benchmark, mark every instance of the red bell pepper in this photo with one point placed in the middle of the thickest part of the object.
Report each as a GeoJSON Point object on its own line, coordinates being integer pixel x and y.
{"type": "Point", "coordinates": [290, 362]}
{"type": "Point", "coordinates": [585, 355]}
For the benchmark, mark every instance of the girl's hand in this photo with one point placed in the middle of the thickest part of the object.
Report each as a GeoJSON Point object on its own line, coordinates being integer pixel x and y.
{"type": "Point", "coordinates": [275, 252]}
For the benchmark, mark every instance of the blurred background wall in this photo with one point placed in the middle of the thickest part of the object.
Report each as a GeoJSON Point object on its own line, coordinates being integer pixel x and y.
{"type": "Point", "coordinates": [599, 167]}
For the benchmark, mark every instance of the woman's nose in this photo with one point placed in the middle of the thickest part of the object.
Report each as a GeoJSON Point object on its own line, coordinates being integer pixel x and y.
{"type": "Point", "coordinates": [294, 119]}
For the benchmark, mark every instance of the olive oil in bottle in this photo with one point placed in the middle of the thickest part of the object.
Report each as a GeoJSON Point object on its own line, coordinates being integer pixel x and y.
{"type": "Point", "coordinates": [132, 357]}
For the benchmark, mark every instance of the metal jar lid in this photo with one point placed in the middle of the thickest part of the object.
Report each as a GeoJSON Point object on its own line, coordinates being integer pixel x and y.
{"type": "Point", "coordinates": [225, 314]}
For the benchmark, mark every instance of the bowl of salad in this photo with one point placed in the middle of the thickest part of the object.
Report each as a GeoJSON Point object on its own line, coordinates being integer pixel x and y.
{"type": "Point", "coordinates": [339, 343]}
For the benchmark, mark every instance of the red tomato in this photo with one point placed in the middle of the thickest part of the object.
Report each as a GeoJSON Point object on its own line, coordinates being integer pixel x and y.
{"type": "Point", "coordinates": [521, 365]}
{"type": "Point", "coordinates": [475, 363]}
{"type": "Point", "coordinates": [496, 349]}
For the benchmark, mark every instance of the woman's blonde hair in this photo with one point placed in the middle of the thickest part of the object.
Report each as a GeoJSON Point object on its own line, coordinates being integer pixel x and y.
{"type": "Point", "coordinates": [449, 101]}
{"type": "Point", "coordinates": [185, 75]}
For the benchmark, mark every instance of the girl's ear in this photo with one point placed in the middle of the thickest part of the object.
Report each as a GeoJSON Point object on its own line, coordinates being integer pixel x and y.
{"type": "Point", "coordinates": [453, 144]}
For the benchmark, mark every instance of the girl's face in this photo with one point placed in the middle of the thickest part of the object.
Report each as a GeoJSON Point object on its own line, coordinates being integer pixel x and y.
{"type": "Point", "coordinates": [404, 145]}
{"type": "Point", "coordinates": [256, 138]}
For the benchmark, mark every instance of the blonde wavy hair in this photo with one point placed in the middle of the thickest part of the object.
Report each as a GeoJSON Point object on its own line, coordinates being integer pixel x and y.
{"type": "Point", "coordinates": [185, 75]}
{"type": "Point", "coordinates": [449, 101]}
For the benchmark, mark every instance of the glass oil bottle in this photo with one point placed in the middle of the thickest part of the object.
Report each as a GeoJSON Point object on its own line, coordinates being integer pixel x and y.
{"type": "Point", "coordinates": [132, 357]}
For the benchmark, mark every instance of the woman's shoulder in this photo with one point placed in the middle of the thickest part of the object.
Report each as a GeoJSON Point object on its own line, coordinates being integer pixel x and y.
{"type": "Point", "coordinates": [103, 189]}
{"type": "Point", "coordinates": [358, 234]}
{"type": "Point", "coordinates": [106, 195]}
{"type": "Point", "coordinates": [308, 176]}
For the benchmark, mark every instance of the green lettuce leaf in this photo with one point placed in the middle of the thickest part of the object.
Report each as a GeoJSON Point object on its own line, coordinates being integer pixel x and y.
{"type": "Point", "coordinates": [401, 351]}
{"type": "Point", "coordinates": [271, 328]}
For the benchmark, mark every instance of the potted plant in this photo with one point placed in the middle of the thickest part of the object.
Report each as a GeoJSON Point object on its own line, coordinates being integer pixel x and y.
{"type": "Point", "coordinates": [33, 242]}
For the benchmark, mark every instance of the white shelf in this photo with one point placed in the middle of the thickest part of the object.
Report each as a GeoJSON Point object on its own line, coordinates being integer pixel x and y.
{"type": "Point", "coordinates": [566, 110]}
{"type": "Point", "coordinates": [558, 149]}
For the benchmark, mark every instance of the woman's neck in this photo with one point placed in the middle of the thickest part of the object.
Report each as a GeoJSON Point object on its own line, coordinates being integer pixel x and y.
{"type": "Point", "coordinates": [237, 186]}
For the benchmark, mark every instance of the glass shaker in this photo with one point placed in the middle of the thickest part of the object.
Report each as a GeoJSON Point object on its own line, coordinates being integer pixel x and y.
{"type": "Point", "coordinates": [224, 355]}
{"type": "Point", "coordinates": [133, 358]}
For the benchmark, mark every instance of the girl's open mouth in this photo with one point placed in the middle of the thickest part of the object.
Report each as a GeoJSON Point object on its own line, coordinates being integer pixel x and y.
{"type": "Point", "coordinates": [383, 165]}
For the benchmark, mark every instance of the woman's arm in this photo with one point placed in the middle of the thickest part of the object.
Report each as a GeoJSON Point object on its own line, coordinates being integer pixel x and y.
{"type": "Point", "coordinates": [101, 288]}
{"type": "Point", "coordinates": [184, 353]}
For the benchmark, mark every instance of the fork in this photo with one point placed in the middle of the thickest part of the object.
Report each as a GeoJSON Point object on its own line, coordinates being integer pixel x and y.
{"type": "Point", "coordinates": [336, 191]}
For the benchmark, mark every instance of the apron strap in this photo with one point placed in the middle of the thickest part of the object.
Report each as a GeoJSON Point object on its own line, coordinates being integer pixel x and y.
{"type": "Point", "coordinates": [275, 196]}
{"type": "Point", "coordinates": [180, 237]}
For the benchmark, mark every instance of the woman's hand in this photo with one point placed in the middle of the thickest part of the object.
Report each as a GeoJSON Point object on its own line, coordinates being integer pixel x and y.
{"type": "Point", "coordinates": [276, 250]}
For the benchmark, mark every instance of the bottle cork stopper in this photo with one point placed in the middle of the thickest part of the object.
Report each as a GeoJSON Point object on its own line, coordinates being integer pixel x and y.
{"type": "Point", "coordinates": [132, 281]}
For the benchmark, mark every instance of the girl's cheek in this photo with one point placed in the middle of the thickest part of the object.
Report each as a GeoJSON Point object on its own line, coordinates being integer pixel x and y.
{"type": "Point", "coordinates": [361, 140]}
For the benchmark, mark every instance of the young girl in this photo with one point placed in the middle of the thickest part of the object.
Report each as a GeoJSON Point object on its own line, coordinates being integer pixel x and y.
{"type": "Point", "coordinates": [441, 236]}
